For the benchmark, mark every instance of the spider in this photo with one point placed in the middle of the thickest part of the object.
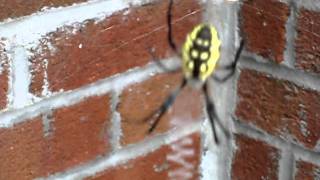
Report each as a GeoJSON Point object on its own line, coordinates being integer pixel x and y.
{"type": "Point", "coordinates": [200, 54]}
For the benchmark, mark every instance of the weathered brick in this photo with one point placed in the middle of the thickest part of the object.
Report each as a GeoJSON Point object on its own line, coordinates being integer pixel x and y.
{"type": "Point", "coordinates": [4, 78]}
{"type": "Point", "coordinates": [14, 9]}
{"type": "Point", "coordinates": [307, 47]}
{"type": "Point", "coordinates": [140, 101]}
{"type": "Point", "coordinates": [263, 26]}
{"type": "Point", "coordinates": [307, 171]}
{"type": "Point", "coordinates": [279, 107]}
{"type": "Point", "coordinates": [76, 135]}
{"type": "Point", "coordinates": [254, 160]}
{"type": "Point", "coordinates": [99, 49]}
{"type": "Point", "coordinates": [179, 160]}
{"type": "Point", "coordinates": [21, 152]}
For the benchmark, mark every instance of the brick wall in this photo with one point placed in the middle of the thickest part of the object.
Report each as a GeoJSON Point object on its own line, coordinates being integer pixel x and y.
{"type": "Point", "coordinates": [277, 107]}
{"type": "Point", "coordinates": [77, 81]}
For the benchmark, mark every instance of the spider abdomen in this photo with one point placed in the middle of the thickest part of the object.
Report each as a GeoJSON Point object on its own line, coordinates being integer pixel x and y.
{"type": "Point", "coordinates": [200, 52]}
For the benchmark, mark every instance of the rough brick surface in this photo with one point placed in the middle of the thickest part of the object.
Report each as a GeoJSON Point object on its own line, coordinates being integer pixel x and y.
{"type": "Point", "coordinates": [263, 27]}
{"type": "Point", "coordinates": [21, 151]}
{"type": "Point", "coordinates": [279, 107]}
{"type": "Point", "coordinates": [254, 160]}
{"type": "Point", "coordinates": [4, 78]}
{"type": "Point", "coordinates": [179, 160]}
{"type": "Point", "coordinates": [95, 50]}
{"type": "Point", "coordinates": [307, 171]}
{"type": "Point", "coordinates": [79, 133]}
{"type": "Point", "coordinates": [308, 40]}
{"type": "Point", "coordinates": [76, 134]}
{"type": "Point", "coordinates": [140, 101]}
{"type": "Point", "coordinates": [14, 9]}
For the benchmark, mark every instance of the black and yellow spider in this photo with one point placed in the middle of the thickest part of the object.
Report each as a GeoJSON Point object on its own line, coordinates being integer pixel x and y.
{"type": "Point", "coordinates": [200, 54]}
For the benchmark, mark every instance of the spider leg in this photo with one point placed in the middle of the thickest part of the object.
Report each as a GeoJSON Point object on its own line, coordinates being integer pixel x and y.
{"type": "Point", "coordinates": [169, 21]}
{"type": "Point", "coordinates": [211, 111]}
{"type": "Point", "coordinates": [159, 63]}
{"type": "Point", "coordinates": [166, 105]}
{"type": "Point", "coordinates": [231, 66]}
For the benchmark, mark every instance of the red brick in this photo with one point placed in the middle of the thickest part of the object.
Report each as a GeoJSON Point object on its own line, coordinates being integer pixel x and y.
{"type": "Point", "coordinates": [139, 101]}
{"type": "Point", "coordinates": [21, 153]}
{"type": "Point", "coordinates": [308, 40]}
{"type": "Point", "coordinates": [263, 26]}
{"type": "Point", "coordinates": [78, 134]}
{"type": "Point", "coordinates": [110, 46]}
{"type": "Point", "coordinates": [4, 78]}
{"type": "Point", "coordinates": [158, 165]}
{"type": "Point", "coordinates": [254, 160]}
{"type": "Point", "coordinates": [279, 107]}
{"type": "Point", "coordinates": [14, 9]}
{"type": "Point", "coordinates": [307, 171]}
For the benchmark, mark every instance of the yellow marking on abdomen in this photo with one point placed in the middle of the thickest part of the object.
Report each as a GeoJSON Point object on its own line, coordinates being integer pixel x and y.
{"type": "Point", "coordinates": [212, 45]}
